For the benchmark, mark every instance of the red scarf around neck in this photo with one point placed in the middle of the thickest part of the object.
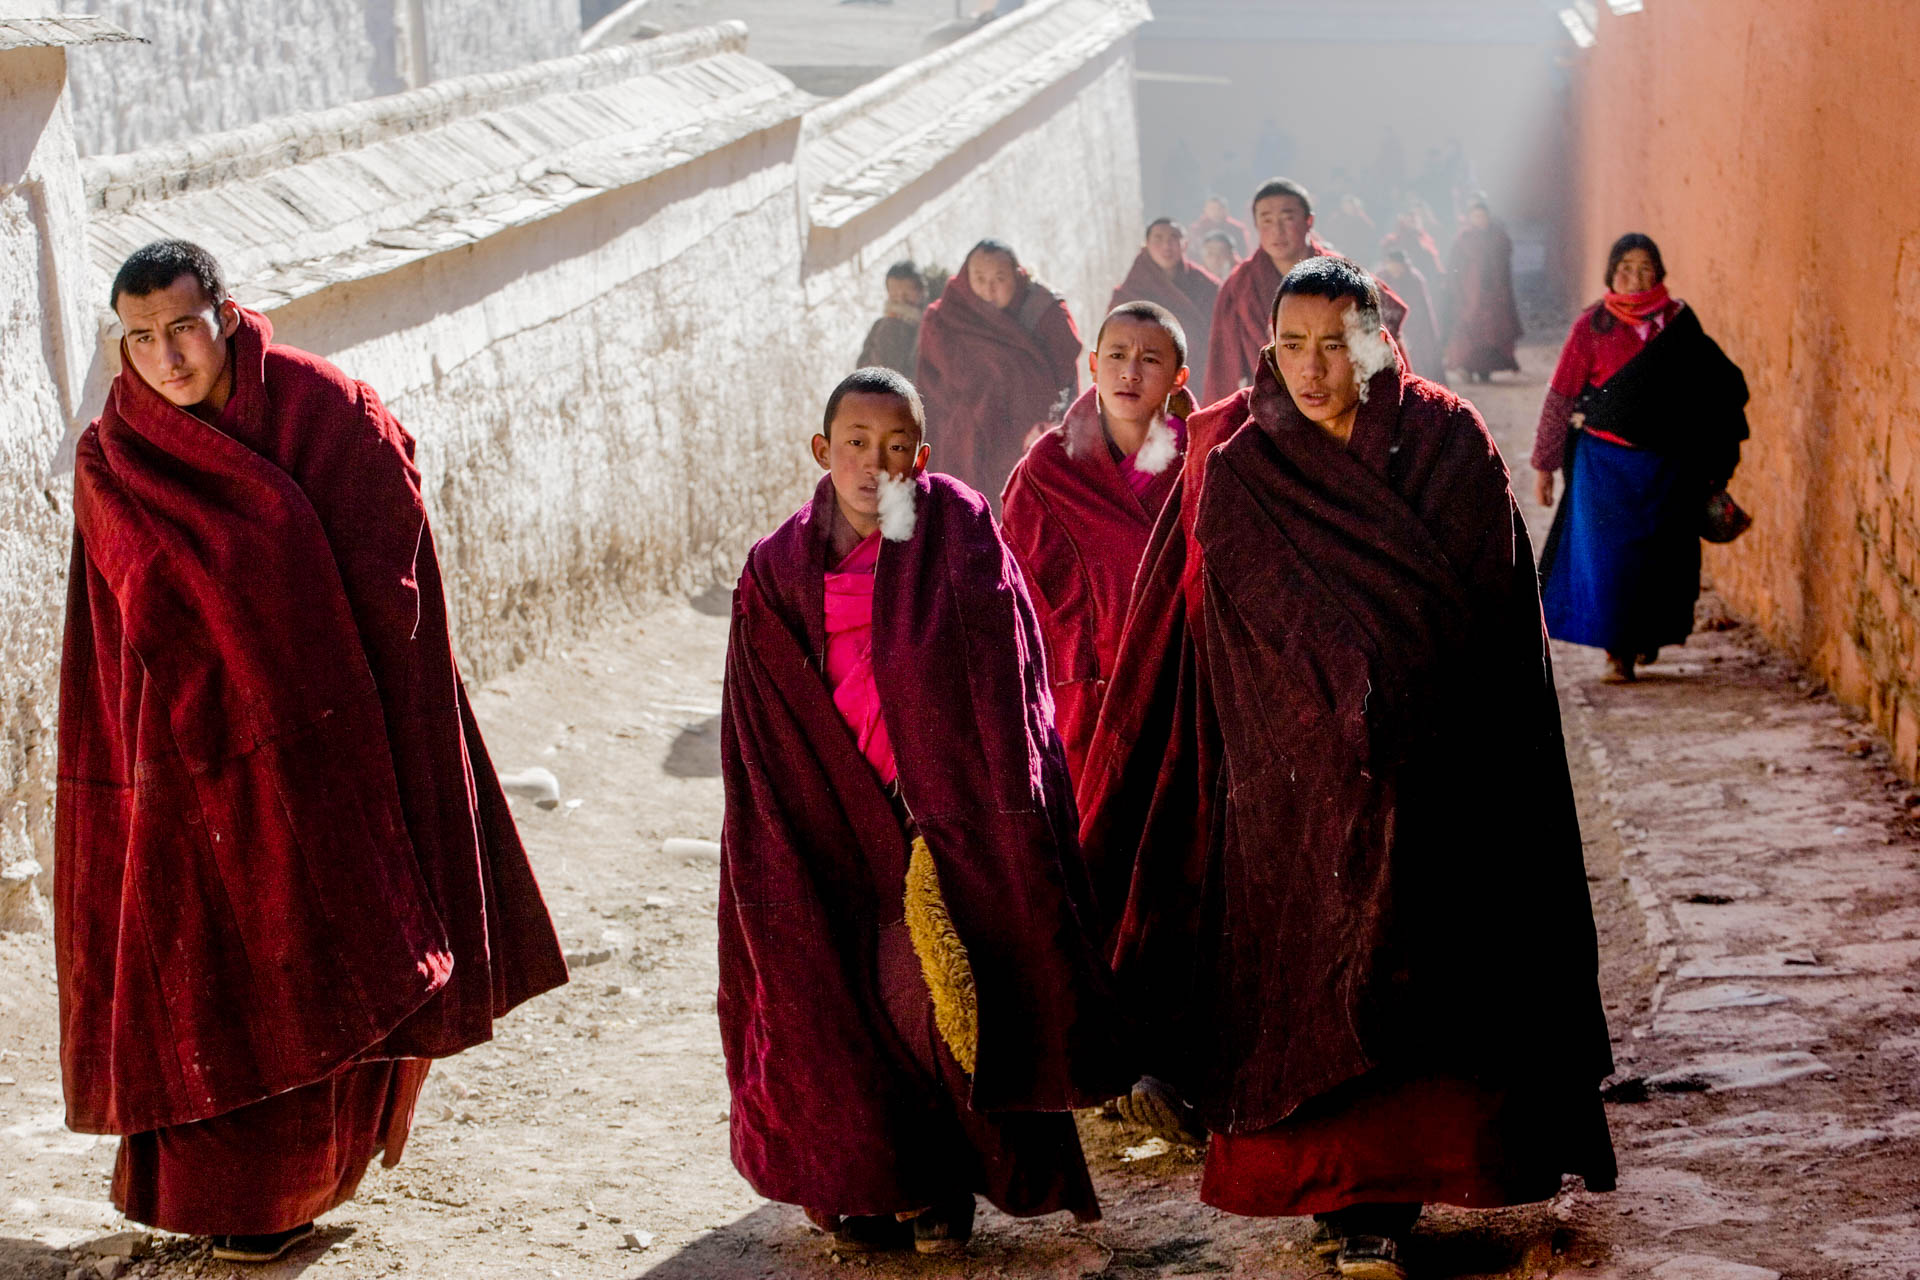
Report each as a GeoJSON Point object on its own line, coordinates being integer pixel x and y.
{"type": "Point", "coordinates": [1638, 308]}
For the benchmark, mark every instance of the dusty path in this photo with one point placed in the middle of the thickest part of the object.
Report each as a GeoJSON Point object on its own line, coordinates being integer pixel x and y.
{"type": "Point", "coordinates": [1755, 875]}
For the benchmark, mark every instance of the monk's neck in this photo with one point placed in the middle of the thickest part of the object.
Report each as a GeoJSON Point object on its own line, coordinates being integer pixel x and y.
{"type": "Point", "coordinates": [1283, 265]}
{"type": "Point", "coordinates": [1127, 437]}
{"type": "Point", "coordinates": [1340, 429]}
{"type": "Point", "coordinates": [850, 529]}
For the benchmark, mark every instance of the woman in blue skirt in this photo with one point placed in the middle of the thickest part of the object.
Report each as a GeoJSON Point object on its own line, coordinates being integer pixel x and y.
{"type": "Point", "coordinates": [1645, 416]}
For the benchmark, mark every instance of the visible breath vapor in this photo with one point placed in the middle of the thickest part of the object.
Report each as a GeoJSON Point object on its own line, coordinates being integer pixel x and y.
{"type": "Point", "coordinates": [898, 510]}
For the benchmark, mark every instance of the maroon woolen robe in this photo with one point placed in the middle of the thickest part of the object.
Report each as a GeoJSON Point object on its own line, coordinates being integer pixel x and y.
{"type": "Point", "coordinates": [1079, 531]}
{"type": "Point", "coordinates": [1485, 318]}
{"type": "Point", "coordinates": [989, 376]}
{"type": "Point", "coordinates": [1243, 320]}
{"type": "Point", "coordinates": [1189, 295]}
{"type": "Point", "coordinates": [1343, 941]}
{"type": "Point", "coordinates": [281, 849]}
{"type": "Point", "coordinates": [844, 1099]}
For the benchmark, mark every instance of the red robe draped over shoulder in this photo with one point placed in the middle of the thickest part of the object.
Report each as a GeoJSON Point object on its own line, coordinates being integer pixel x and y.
{"type": "Point", "coordinates": [843, 1098]}
{"type": "Point", "coordinates": [1243, 320]}
{"type": "Point", "coordinates": [281, 848]}
{"type": "Point", "coordinates": [1353, 636]}
{"type": "Point", "coordinates": [1079, 531]}
{"type": "Point", "coordinates": [990, 376]}
{"type": "Point", "coordinates": [1190, 295]}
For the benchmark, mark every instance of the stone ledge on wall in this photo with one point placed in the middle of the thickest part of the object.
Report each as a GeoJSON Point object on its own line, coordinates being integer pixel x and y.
{"type": "Point", "coordinates": [303, 203]}
{"type": "Point", "coordinates": [873, 143]}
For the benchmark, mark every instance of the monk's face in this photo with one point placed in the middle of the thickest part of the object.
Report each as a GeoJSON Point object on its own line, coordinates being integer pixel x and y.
{"type": "Point", "coordinates": [1135, 369]}
{"type": "Point", "coordinates": [176, 340]}
{"type": "Point", "coordinates": [1218, 257]}
{"type": "Point", "coordinates": [1311, 351]}
{"type": "Point", "coordinates": [1282, 222]}
{"type": "Point", "coordinates": [1215, 210]}
{"type": "Point", "coordinates": [1479, 218]}
{"type": "Point", "coordinates": [1166, 245]}
{"type": "Point", "coordinates": [904, 291]}
{"type": "Point", "coordinates": [872, 434]}
{"type": "Point", "coordinates": [994, 278]}
{"type": "Point", "coordinates": [1635, 273]}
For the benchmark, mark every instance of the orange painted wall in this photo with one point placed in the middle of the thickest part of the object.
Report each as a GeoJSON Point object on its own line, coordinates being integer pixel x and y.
{"type": "Point", "coordinates": [1769, 146]}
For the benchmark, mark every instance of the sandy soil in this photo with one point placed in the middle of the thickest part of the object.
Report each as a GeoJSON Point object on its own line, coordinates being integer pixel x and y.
{"type": "Point", "coordinates": [1754, 872]}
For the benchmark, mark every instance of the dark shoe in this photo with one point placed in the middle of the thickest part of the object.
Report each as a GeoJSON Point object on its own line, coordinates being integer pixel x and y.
{"type": "Point", "coordinates": [1370, 1258]}
{"type": "Point", "coordinates": [879, 1233]}
{"type": "Point", "coordinates": [1650, 657]}
{"type": "Point", "coordinates": [1619, 670]}
{"type": "Point", "coordinates": [944, 1228]}
{"type": "Point", "coordinates": [259, 1248]}
{"type": "Point", "coordinates": [1321, 1241]}
{"type": "Point", "coordinates": [1154, 1105]}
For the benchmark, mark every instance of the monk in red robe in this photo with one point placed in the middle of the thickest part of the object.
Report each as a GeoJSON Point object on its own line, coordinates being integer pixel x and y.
{"type": "Point", "coordinates": [1163, 274]}
{"type": "Point", "coordinates": [999, 354]}
{"type": "Point", "coordinates": [1283, 224]}
{"type": "Point", "coordinates": [285, 873]}
{"type": "Point", "coordinates": [1215, 220]}
{"type": "Point", "coordinates": [1082, 503]}
{"type": "Point", "coordinates": [1485, 316]}
{"type": "Point", "coordinates": [911, 999]}
{"type": "Point", "coordinates": [1339, 614]}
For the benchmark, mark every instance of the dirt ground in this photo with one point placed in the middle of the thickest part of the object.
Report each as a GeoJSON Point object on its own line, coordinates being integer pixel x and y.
{"type": "Point", "coordinates": [1755, 870]}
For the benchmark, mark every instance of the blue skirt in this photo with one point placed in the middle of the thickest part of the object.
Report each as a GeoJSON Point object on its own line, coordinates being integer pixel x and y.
{"type": "Point", "coordinates": [1624, 566]}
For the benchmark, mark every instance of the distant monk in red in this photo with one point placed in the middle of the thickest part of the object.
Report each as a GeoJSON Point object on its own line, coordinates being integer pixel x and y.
{"type": "Point", "coordinates": [1082, 504]}
{"type": "Point", "coordinates": [1163, 274]}
{"type": "Point", "coordinates": [1283, 225]}
{"type": "Point", "coordinates": [285, 874]}
{"type": "Point", "coordinates": [1333, 660]}
{"type": "Point", "coordinates": [999, 355]}
{"type": "Point", "coordinates": [911, 1000]}
{"type": "Point", "coordinates": [1486, 319]}
{"type": "Point", "coordinates": [1215, 220]}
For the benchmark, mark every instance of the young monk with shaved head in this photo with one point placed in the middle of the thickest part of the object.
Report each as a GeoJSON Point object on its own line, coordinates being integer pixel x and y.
{"type": "Point", "coordinates": [285, 873]}
{"type": "Point", "coordinates": [1283, 227]}
{"type": "Point", "coordinates": [1082, 503]}
{"type": "Point", "coordinates": [1333, 659]}
{"type": "Point", "coordinates": [999, 355]}
{"type": "Point", "coordinates": [908, 981]}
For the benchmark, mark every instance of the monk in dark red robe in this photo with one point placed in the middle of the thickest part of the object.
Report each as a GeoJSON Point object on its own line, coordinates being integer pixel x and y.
{"type": "Point", "coordinates": [1082, 504]}
{"type": "Point", "coordinates": [1214, 219]}
{"type": "Point", "coordinates": [1420, 331]}
{"type": "Point", "coordinates": [1163, 274]}
{"type": "Point", "coordinates": [1242, 314]}
{"type": "Point", "coordinates": [1485, 318]}
{"type": "Point", "coordinates": [285, 873]}
{"type": "Point", "coordinates": [1338, 617]}
{"type": "Point", "coordinates": [911, 999]}
{"type": "Point", "coordinates": [999, 355]}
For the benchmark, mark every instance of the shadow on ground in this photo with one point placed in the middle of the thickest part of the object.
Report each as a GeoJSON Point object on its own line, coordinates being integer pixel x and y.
{"type": "Point", "coordinates": [695, 751]}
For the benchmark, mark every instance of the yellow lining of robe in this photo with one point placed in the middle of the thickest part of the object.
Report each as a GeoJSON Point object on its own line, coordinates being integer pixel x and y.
{"type": "Point", "coordinates": [943, 959]}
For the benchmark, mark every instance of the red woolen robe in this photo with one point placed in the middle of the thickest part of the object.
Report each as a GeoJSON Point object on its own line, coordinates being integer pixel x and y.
{"type": "Point", "coordinates": [1485, 317]}
{"type": "Point", "coordinates": [1189, 295]}
{"type": "Point", "coordinates": [1079, 528]}
{"type": "Point", "coordinates": [1340, 945]}
{"type": "Point", "coordinates": [845, 1100]}
{"type": "Point", "coordinates": [282, 855]}
{"type": "Point", "coordinates": [1243, 320]}
{"type": "Point", "coordinates": [989, 376]}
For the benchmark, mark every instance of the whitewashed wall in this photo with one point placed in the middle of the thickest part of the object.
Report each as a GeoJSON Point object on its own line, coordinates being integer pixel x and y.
{"type": "Point", "coordinates": [220, 64]}
{"type": "Point", "coordinates": [608, 293]}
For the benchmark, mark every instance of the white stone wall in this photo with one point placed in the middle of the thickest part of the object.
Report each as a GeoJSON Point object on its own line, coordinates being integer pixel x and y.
{"type": "Point", "coordinates": [46, 335]}
{"type": "Point", "coordinates": [221, 64]}
{"type": "Point", "coordinates": [612, 327]}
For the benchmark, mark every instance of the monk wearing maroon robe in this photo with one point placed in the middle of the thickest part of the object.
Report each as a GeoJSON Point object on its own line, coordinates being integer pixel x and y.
{"type": "Point", "coordinates": [1215, 220]}
{"type": "Point", "coordinates": [1485, 317]}
{"type": "Point", "coordinates": [911, 999]}
{"type": "Point", "coordinates": [1333, 662]}
{"type": "Point", "coordinates": [1163, 274]}
{"type": "Point", "coordinates": [999, 355]}
{"type": "Point", "coordinates": [1082, 504]}
{"type": "Point", "coordinates": [285, 874]}
{"type": "Point", "coordinates": [1242, 314]}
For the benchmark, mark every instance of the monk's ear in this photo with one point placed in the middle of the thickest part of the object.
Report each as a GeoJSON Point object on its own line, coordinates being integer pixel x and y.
{"type": "Point", "coordinates": [820, 452]}
{"type": "Point", "coordinates": [1093, 363]}
{"type": "Point", "coordinates": [229, 312]}
{"type": "Point", "coordinates": [1180, 378]}
{"type": "Point", "coordinates": [920, 457]}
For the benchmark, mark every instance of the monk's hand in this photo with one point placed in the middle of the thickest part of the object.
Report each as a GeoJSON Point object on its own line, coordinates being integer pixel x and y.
{"type": "Point", "coordinates": [1543, 487]}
